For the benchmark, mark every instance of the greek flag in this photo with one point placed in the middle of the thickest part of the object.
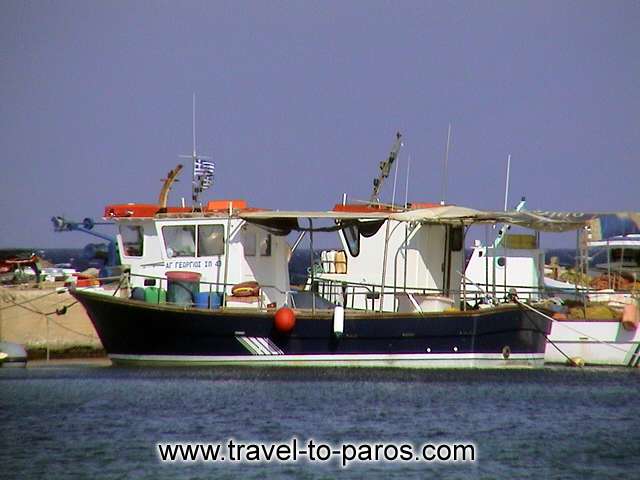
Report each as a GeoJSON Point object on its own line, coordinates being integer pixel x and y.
{"type": "Point", "coordinates": [203, 168]}
{"type": "Point", "coordinates": [203, 172]}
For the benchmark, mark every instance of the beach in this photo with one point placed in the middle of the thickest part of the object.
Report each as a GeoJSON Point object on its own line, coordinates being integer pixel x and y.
{"type": "Point", "coordinates": [46, 320]}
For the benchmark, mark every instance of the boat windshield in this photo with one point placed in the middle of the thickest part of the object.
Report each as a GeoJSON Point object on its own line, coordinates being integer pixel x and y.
{"type": "Point", "coordinates": [132, 240]}
{"type": "Point", "coordinates": [179, 240]}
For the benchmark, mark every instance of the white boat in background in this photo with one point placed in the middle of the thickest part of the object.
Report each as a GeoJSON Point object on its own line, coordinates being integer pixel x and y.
{"type": "Point", "coordinates": [493, 271]}
{"type": "Point", "coordinates": [597, 342]}
{"type": "Point", "coordinates": [622, 257]}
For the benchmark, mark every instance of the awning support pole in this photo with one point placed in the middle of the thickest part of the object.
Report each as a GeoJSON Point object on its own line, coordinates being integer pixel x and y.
{"type": "Point", "coordinates": [226, 255]}
{"type": "Point", "coordinates": [313, 294]}
{"type": "Point", "coordinates": [384, 264]}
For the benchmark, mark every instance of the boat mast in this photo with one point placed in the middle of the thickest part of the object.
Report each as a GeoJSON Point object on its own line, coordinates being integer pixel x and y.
{"type": "Point", "coordinates": [395, 181]}
{"type": "Point", "coordinates": [202, 171]}
{"type": "Point", "coordinates": [406, 186]}
{"type": "Point", "coordinates": [506, 188]}
{"type": "Point", "coordinates": [446, 163]}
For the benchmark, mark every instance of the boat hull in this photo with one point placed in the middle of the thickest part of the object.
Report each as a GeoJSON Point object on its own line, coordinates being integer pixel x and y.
{"type": "Point", "coordinates": [134, 332]}
{"type": "Point", "coordinates": [597, 342]}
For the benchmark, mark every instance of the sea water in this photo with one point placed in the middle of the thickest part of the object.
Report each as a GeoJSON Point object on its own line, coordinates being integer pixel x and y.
{"type": "Point", "coordinates": [105, 422]}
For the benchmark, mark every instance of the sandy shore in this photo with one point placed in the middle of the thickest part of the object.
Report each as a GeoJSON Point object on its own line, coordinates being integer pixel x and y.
{"type": "Point", "coordinates": [37, 319]}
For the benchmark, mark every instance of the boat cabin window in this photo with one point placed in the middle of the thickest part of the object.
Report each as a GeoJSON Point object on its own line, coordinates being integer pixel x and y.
{"type": "Point", "coordinates": [628, 255]}
{"type": "Point", "coordinates": [457, 239]}
{"type": "Point", "coordinates": [248, 242]}
{"type": "Point", "coordinates": [132, 240]}
{"type": "Point", "coordinates": [352, 236]}
{"type": "Point", "coordinates": [179, 240]}
{"type": "Point", "coordinates": [265, 245]}
{"type": "Point", "coordinates": [210, 240]}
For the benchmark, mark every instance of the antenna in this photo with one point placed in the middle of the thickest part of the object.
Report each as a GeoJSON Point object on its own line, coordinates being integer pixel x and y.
{"type": "Point", "coordinates": [193, 124]}
{"type": "Point", "coordinates": [202, 172]}
{"type": "Point", "coordinates": [446, 162]}
{"type": "Point", "coordinates": [406, 186]}
{"type": "Point", "coordinates": [395, 181]}
{"type": "Point", "coordinates": [506, 188]}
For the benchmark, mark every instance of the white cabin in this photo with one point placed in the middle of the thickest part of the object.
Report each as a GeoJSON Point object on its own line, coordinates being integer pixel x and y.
{"type": "Point", "coordinates": [422, 261]}
{"type": "Point", "coordinates": [516, 262]}
{"type": "Point", "coordinates": [221, 249]}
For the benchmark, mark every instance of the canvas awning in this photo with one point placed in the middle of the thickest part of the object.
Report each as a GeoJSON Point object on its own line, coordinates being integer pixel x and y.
{"type": "Point", "coordinates": [542, 221]}
{"type": "Point", "coordinates": [286, 221]}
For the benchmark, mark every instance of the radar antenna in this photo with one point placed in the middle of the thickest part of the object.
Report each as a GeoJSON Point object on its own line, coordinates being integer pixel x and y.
{"type": "Point", "coordinates": [385, 169]}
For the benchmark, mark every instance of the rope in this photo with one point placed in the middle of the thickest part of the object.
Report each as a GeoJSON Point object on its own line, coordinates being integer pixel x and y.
{"type": "Point", "coordinates": [16, 304]}
{"type": "Point", "coordinates": [70, 329]}
{"type": "Point", "coordinates": [62, 310]}
{"type": "Point", "coordinates": [58, 311]}
{"type": "Point", "coordinates": [569, 359]}
{"type": "Point", "coordinates": [32, 310]}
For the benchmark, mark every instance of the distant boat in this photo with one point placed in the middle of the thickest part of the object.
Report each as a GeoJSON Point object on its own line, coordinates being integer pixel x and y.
{"type": "Point", "coordinates": [12, 355]}
{"type": "Point", "coordinates": [622, 253]}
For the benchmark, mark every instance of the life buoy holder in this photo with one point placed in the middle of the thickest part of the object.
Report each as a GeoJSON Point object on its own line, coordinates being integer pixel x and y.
{"type": "Point", "coordinates": [246, 289]}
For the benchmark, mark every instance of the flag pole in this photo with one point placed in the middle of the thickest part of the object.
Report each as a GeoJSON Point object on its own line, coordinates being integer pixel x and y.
{"type": "Point", "coordinates": [201, 172]}
{"type": "Point", "coordinates": [194, 155]}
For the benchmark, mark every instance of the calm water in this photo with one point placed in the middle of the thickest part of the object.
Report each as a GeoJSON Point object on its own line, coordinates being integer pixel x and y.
{"type": "Point", "coordinates": [103, 422]}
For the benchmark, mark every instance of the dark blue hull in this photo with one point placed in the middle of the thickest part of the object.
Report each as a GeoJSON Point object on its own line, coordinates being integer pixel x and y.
{"type": "Point", "coordinates": [134, 331]}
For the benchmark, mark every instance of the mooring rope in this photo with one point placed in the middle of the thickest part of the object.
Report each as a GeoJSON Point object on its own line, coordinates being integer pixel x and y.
{"type": "Point", "coordinates": [16, 304]}
{"type": "Point", "coordinates": [93, 337]}
{"type": "Point", "coordinates": [569, 359]}
{"type": "Point", "coordinates": [32, 310]}
{"type": "Point", "coordinates": [58, 311]}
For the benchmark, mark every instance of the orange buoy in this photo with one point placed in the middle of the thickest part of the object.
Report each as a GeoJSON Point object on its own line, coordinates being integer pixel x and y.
{"type": "Point", "coordinates": [284, 320]}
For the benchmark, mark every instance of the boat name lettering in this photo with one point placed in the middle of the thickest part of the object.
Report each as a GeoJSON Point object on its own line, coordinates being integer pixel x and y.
{"type": "Point", "coordinates": [190, 264]}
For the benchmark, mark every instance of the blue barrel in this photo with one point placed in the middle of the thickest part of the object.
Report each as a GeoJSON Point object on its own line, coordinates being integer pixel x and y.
{"type": "Point", "coordinates": [183, 287]}
{"type": "Point", "coordinates": [137, 293]}
{"type": "Point", "coordinates": [208, 300]}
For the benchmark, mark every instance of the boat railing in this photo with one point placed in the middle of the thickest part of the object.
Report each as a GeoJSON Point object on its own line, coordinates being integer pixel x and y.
{"type": "Point", "coordinates": [210, 288]}
{"type": "Point", "coordinates": [364, 296]}
{"type": "Point", "coordinates": [368, 296]}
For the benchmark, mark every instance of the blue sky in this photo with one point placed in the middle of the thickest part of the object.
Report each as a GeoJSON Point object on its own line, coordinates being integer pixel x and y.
{"type": "Point", "coordinates": [298, 102]}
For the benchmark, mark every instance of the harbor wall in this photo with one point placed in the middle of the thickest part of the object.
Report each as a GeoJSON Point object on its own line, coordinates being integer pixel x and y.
{"type": "Point", "coordinates": [28, 317]}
